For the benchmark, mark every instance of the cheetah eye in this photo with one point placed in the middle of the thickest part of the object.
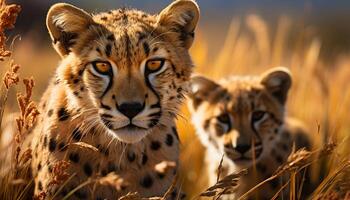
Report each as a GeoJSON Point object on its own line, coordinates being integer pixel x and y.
{"type": "Point", "coordinates": [258, 115]}
{"type": "Point", "coordinates": [103, 68]}
{"type": "Point", "coordinates": [154, 65]}
{"type": "Point", "coordinates": [224, 118]}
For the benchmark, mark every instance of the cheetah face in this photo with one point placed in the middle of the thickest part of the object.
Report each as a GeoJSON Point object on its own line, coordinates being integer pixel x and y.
{"type": "Point", "coordinates": [242, 116]}
{"type": "Point", "coordinates": [133, 66]}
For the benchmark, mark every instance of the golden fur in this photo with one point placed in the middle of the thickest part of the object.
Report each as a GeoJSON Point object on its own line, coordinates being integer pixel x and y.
{"type": "Point", "coordinates": [105, 111]}
{"type": "Point", "coordinates": [243, 118]}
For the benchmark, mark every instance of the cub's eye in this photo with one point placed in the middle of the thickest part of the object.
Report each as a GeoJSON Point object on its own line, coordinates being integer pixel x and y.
{"type": "Point", "coordinates": [154, 64]}
{"type": "Point", "coordinates": [103, 68]}
{"type": "Point", "coordinates": [258, 115]}
{"type": "Point", "coordinates": [224, 118]}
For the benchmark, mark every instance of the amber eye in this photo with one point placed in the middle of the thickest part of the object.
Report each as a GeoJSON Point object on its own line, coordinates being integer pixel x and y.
{"type": "Point", "coordinates": [103, 68]}
{"type": "Point", "coordinates": [154, 64]}
{"type": "Point", "coordinates": [224, 118]}
{"type": "Point", "coordinates": [258, 115]}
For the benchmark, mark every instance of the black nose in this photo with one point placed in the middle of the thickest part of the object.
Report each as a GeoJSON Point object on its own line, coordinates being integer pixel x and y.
{"type": "Point", "coordinates": [130, 109]}
{"type": "Point", "coordinates": [242, 148]}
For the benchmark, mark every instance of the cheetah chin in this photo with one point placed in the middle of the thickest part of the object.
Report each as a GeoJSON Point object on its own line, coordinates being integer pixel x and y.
{"type": "Point", "coordinates": [129, 134]}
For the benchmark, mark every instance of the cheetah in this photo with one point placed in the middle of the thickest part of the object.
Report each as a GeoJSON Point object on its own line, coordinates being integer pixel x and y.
{"type": "Point", "coordinates": [242, 119]}
{"type": "Point", "coordinates": [112, 104]}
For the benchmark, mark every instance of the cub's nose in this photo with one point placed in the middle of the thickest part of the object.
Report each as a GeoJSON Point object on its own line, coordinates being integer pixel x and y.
{"type": "Point", "coordinates": [130, 109]}
{"type": "Point", "coordinates": [242, 148]}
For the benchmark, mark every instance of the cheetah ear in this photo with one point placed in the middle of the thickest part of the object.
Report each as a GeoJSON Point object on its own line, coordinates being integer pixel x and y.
{"type": "Point", "coordinates": [182, 17]}
{"type": "Point", "coordinates": [277, 81]}
{"type": "Point", "coordinates": [65, 22]}
{"type": "Point", "coordinates": [200, 89]}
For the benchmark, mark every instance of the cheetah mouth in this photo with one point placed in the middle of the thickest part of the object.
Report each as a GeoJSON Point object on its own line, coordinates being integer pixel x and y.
{"type": "Point", "coordinates": [132, 127]}
{"type": "Point", "coordinates": [127, 131]}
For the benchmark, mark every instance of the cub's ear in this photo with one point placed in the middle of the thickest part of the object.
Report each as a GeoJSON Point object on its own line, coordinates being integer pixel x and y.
{"type": "Point", "coordinates": [182, 17]}
{"type": "Point", "coordinates": [65, 22]}
{"type": "Point", "coordinates": [200, 89]}
{"type": "Point", "coordinates": [277, 82]}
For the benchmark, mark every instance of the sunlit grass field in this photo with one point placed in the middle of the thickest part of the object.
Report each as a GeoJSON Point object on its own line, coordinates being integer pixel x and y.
{"type": "Point", "coordinates": [320, 94]}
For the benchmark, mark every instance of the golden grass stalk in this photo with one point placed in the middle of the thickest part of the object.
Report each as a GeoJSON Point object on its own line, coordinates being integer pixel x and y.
{"type": "Point", "coordinates": [262, 38]}
{"type": "Point", "coordinates": [224, 56]}
{"type": "Point", "coordinates": [14, 181]}
{"type": "Point", "coordinates": [10, 78]}
{"type": "Point", "coordinates": [279, 42]}
{"type": "Point", "coordinates": [295, 163]}
{"type": "Point", "coordinates": [220, 168]}
{"type": "Point", "coordinates": [26, 120]}
{"type": "Point", "coordinates": [8, 16]}
{"type": "Point", "coordinates": [337, 174]}
{"type": "Point", "coordinates": [224, 186]}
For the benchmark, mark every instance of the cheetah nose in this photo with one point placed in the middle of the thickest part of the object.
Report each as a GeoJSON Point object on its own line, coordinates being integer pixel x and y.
{"type": "Point", "coordinates": [242, 148]}
{"type": "Point", "coordinates": [131, 109]}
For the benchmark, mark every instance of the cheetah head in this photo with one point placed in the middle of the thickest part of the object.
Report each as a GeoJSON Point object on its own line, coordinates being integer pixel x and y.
{"type": "Point", "coordinates": [125, 68]}
{"type": "Point", "coordinates": [240, 117]}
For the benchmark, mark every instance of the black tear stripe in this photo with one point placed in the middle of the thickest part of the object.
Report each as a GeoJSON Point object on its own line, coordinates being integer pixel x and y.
{"type": "Point", "coordinates": [149, 85]}
{"type": "Point", "coordinates": [92, 74]}
{"type": "Point", "coordinates": [109, 86]}
{"type": "Point", "coordinates": [255, 131]}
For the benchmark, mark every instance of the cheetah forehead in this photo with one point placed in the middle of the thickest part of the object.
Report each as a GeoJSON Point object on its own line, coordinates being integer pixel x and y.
{"type": "Point", "coordinates": [241, 94]}
{"type": "Point", "coordinates": [240, 82]}
{"type": "Point", "coordinates": [130, 18]}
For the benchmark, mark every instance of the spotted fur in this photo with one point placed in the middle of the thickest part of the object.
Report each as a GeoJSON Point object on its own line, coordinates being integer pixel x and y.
{"type": "Point", "coordinates": [243, 119]}
{"type": "Point", "coordinates": [119, 120]}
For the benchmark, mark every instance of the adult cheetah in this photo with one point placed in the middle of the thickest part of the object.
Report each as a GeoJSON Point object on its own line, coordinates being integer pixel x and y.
{"type": "Point", "coordinates": [111, 107]}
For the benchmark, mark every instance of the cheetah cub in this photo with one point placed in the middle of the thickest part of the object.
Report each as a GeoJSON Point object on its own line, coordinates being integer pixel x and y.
{"type": "Point", "coordinates": [243, 118]}
{"type": "Point", "coordinates": [112, 105]}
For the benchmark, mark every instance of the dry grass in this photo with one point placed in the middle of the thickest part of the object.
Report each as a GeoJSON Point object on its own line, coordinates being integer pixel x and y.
{"type": "Point", "coordinates": [320, 97]}
{"type": "Point", "coordinates": [13, 179]}
{"type": "Point", "coordinates": [8, 16]}
{"type": "Point", "coordinates": [224, 186]}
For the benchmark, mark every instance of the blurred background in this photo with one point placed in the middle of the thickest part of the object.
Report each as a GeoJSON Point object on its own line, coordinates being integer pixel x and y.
{"type": "Point", "coordinates": [327, 17]}
{"type": "Point", "coordinates": [312, 38]}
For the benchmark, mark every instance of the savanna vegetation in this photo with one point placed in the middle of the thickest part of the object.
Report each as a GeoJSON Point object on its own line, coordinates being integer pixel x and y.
{"type": "Point", "coordinates": [320, 97]}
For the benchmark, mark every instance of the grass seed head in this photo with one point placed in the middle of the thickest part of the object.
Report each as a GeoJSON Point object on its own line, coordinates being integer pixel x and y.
{"type": "Point", "coordinates": [11, 77]}
{"type": "Point", "coordinates": [224, 186]}
{"type": "Point", "coordinates": [59, 171]}
{"type": "Point", "coordinates": [8, 16]}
